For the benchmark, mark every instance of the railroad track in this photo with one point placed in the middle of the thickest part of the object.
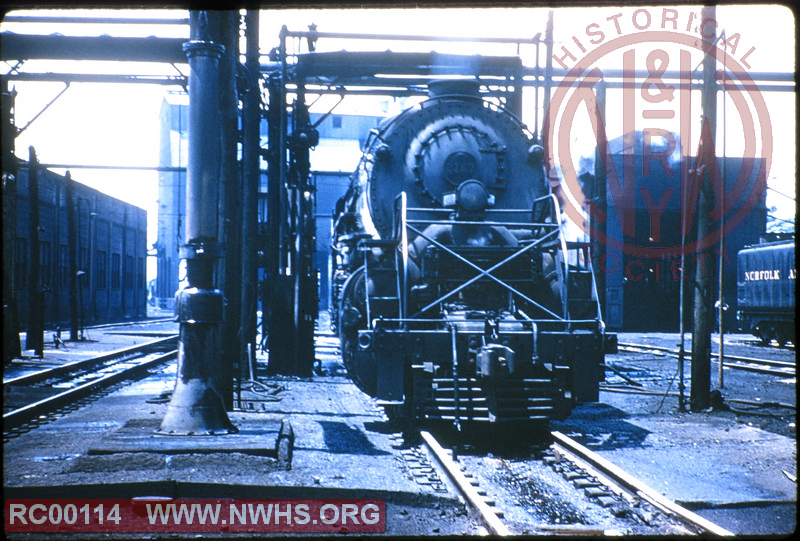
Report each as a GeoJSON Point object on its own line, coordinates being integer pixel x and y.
{"type": "Point", "coordinates": [68, 384]}
{"type": "Point", "coordinates": [608, 485]}
{"type": "Point", "coordinates": [750, 364]}
{"type": "Point", "coordinates": [598, 472]}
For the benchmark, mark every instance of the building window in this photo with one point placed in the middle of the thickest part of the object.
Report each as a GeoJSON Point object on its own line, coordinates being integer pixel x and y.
{"type": "Point", "coordinates": [115, 269]}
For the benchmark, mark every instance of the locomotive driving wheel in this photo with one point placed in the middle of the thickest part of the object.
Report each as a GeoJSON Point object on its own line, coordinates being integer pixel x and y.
{"type": "Point", "coordinates": [352, 317]}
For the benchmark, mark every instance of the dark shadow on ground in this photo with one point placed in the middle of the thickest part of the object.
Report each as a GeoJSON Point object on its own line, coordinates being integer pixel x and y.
{"type": "Point", "coordinates": [599, 426]}
{"type": "Point", "coordinates": [342, 438]}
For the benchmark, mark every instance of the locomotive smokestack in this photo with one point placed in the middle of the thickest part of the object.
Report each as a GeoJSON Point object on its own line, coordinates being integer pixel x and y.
{"type": "Point", "coordinates": [465, 88]}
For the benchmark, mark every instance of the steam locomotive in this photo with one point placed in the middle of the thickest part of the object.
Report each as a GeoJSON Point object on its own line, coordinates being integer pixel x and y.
{"type": "Point", "coordinates": [455, 292]}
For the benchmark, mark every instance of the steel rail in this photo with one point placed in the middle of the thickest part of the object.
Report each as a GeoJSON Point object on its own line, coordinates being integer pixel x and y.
{"type": "Point", "coordinates": [24, 414]}
{"type": "Point", "coordinates": [590, 460]}
{"type": "Point", "coordinates": [737, 366]}
{"type": "Point", "coordinates": [488, 516]}
{"type": "Point", "coordinates": [58, 371]}
{"type": "Point", "coordinates": [130, 323]}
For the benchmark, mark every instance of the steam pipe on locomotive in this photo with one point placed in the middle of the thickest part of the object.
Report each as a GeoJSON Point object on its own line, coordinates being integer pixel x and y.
{"type": "Point", "coordinates": [455, 293]}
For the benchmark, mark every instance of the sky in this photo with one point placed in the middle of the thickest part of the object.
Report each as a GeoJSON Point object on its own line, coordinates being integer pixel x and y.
{"type": "Point", "coordinates": [119, 124]}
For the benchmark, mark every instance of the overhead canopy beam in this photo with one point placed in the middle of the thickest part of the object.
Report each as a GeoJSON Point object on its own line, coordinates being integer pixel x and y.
{"type": "Point", "coordinates": [313, 35]}
{"type": "Point", "coordinates": [90, 20]}
{"type": "Point", "coordinates": [408, 73]}
{"type": "Point", "coordinates": [387, 69]}
{"type": "Point", "coordinates": [167, 80]}
{"type": "Point", "coordinates": [356, 65]}
{"type": "Point", "coordinates": [108, 48]}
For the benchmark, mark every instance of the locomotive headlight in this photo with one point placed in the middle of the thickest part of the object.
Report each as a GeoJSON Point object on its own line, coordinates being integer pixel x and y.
{"type": "Point", "coordinates": [473, 196]}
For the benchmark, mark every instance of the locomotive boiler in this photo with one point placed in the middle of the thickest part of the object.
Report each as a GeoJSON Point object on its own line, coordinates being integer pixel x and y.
{"type": "Point", "coordinates": [456, 294]}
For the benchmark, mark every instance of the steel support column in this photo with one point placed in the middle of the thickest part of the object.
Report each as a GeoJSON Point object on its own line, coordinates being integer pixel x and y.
{"type": "Point", "coordinates": [35, 337]}
{"type": "Point", "coordinates": [72, 255]}
{"type": "Point", "coordinates": [12, 347]}
{"type": "Point", "coordinates": [230, 271]}
{"type": "Point", "coordinates": [197, 405]}
{"type": "Point", "coordinates": [251, 173]}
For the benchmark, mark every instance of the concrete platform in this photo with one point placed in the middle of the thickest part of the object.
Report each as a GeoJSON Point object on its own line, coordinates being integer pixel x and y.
{"type": "Point", "coordinates": [254, 437]}
{"type": "Point", "coordinates": [340, 441]}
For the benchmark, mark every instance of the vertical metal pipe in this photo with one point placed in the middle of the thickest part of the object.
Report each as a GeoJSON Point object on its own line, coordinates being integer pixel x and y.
{"type": "Point", "coordinates": [283, 158]}
{"type": "Point", "coordinates": [270, 291]}
{"type": "Point", "coordinates": [548, 71]}
{"type": "Point", "coordinates": [72, 250]}
{"type": "Point", "coordinates": [282, 286]}
{"type": "Point", "coordinates": [275, 116]}
{"type": "Point", "coordinates": [251, 164]}
{"type": "Point", "coordinates": [722, 306]}
{"type": "Point", "coordinates": [12, 347]}
{"type": "Point", "coordinates": [202, 183]}
{"type": "Point", "coordinates": [92, 249]}
{"type": "Point", "coordinates": [230, 221]}
{"type": "Point", "coordinates": [306, 307]}
{"type": "Point", "coordinates": [685, 131]}
{"type": "Point", "coordinates": [600, 161]}
{"type": "Point", "coordinates": [536, 132]}
{"type": "Point", "coordinates": [723, 188]}
{"type": "Point", "coordinates": [125, 288]}
{"type": "Point", "coordinates": [197, 405]}
{"type": "Point", "coordinates": [35, 337]}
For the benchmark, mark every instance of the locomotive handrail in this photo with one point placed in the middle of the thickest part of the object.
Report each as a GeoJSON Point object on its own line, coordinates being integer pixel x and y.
{"type": "Point", "coordinates": [366, 283]}
{"type": "Point", "coordinates": [400, 221]}
{"type": "Point", "coordinates": [487, 211]}
{"type": "Point", "coordinates": [494, 224]}
{"type": "Point", "coordinates": [483, 273]}
{"type": "Point", "coordinates": [594, 290]}
{"type": "Point", "coordinates": [375, 323]}
{"type": "Point", "coordinates": [556, 210]}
